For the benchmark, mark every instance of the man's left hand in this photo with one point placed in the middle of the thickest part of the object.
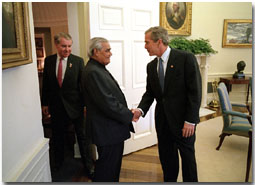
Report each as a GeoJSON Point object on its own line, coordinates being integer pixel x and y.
{"type": "Point", "coordinates": [188, 130]}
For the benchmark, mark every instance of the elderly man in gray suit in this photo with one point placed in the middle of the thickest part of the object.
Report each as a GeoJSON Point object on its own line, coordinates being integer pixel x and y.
{"type": "Point", "coordinates": [108, 116]}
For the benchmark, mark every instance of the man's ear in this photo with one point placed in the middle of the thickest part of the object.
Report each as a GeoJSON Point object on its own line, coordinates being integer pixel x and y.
{"type": "Point", "coordinates": [160, 41]}
{"type": "Point", "coordinates": [95, 51]}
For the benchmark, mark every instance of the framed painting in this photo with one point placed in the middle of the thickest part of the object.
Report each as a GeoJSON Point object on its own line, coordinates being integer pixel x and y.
{"type": "Point", "coordinates": [237, 33]}
{"type": "Point", "coordinates": [176, 17]}
{"type": "Point", "coordinates": [16, 41]}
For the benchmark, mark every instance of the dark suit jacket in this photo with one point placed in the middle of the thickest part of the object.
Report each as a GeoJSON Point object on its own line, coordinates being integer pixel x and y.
{"type": "Point", "coordinates": [181, 98]}
{"type": "Point", "coordinates": [107, 111]}
{"type": "Point", "coordinates": [69, 94]}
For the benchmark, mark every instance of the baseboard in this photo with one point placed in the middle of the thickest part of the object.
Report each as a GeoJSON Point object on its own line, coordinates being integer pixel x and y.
{"type": "Point", "coordinates": [35, 168]}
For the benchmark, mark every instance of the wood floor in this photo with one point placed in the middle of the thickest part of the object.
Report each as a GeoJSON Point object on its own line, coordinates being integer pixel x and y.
{"type": "Point", "coordinates": [140, 166]}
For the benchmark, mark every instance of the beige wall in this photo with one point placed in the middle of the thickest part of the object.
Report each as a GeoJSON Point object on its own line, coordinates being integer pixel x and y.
{"type": "Point", "coordinates": [207, 22]}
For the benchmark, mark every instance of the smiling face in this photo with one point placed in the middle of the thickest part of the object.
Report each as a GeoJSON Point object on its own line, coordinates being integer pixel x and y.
{"type": "Point", "coordinates": [64, 47]}
{"type": "Point", "coordinates": [104, 54]}
{"type": "Point", "coordinates": [151, 46]}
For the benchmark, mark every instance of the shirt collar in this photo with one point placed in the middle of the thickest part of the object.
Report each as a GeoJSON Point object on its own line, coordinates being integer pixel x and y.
{"type": "Point", "coordinates": [58, 58]}
{"type": "Point", "coordinates": [165, 55]}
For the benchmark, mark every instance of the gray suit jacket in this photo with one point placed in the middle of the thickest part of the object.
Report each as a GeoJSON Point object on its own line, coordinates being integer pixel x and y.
{"type": "Point", "coordinates": [108, 117]}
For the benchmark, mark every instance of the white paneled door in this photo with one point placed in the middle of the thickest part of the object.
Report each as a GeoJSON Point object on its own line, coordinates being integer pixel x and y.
{"type": "Point", "coordinates": [123, 23]}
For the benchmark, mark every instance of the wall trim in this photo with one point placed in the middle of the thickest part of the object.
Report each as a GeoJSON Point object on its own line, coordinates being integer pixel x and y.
{"type": "Point", "coordinates": [34, 167]}
{"type": "Point", "coordinates": [217, 76]}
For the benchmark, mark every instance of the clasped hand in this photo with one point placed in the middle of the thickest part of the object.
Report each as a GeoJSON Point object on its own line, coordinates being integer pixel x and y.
{"type": "Point", "coordinates": [137, 113]}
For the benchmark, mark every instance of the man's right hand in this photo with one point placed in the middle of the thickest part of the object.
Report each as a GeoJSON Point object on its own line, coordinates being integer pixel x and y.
{"type": "Point", "coordinates": [137, 113]}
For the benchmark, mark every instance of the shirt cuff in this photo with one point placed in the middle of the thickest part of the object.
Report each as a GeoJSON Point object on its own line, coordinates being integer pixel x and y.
{"type": "Point", "coordinates": [141, 111]}
{"type": "Point", "coordinates": [190, 123]}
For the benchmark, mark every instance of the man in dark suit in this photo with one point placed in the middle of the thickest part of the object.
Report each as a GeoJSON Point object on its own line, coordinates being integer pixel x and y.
{"type": "Point", "coordinates": [174, 80]}
{"type": "Point", "coordinates": [107, 114]}
{"type": "Point", "coordinates": [62, 99]}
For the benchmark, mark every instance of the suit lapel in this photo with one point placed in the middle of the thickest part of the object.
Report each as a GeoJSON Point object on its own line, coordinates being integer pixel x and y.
{"type": "Point", "coordinates": [68, 67]}
{"type": "Point", "coordinates": [169, 70]}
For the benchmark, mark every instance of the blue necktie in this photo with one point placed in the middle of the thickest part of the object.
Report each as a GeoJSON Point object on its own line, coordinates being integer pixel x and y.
{"type": "Point", "coordinates": [161, 74]}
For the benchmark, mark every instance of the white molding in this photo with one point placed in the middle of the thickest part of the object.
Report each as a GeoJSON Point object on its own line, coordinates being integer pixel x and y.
{"type": "Point", "coordinates": [34, 167]}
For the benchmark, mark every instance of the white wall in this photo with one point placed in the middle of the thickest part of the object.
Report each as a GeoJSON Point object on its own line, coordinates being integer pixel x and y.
{"type": "Point", "coordinates": [22, 131]}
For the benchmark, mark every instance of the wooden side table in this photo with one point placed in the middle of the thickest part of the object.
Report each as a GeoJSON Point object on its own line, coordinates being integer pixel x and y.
{"type": "Point", "coordinates": [230, 81]}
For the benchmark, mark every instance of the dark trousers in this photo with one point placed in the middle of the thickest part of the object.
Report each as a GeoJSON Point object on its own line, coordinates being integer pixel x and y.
{"type": "Point", "coordinates": [108, 164]}
{"type": "Point", "coordinates": [60, 124]}
{"type": "Point", "coordinates": [169, 145]}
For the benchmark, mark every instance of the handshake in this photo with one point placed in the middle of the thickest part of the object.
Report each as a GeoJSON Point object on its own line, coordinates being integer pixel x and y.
{"type": "Point", "coordinates": [137, 113]}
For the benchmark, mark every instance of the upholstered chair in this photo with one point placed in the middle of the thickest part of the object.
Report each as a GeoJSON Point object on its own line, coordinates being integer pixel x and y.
{"type": "Point", "coordinates": [234, 122]}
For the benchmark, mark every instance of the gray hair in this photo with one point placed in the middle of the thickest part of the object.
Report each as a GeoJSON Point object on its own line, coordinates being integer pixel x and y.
{"type": "Point", "coordinates": [60, 35]}
{"type": "Point", "coordinates": [95, 43]}
{"type": "Point", "coordinates": [157, 33]}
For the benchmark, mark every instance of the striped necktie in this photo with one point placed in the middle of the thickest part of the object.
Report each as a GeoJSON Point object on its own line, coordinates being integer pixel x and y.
{"type": "Point", "coordinates": [161, 74]}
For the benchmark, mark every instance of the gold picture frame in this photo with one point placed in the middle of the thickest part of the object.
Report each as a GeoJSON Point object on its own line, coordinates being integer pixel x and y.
{"type": "Point", "coordinates": [176, 17]}
{"type": "Point", "coordinates": [237, 33]}
{"type": "Point", "coordinates": [16, 41]}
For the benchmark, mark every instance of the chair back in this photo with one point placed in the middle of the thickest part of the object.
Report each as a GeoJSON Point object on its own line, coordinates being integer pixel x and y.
{"type": "Point", "coordinates": [224, 103]}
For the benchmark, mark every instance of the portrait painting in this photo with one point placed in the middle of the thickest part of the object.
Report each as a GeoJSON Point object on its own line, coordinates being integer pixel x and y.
{"type": "Point", "coordinates": [237, 33]}
{"type": "Point", "coordinates": [175, 14]}
{"type": "Point", "coordinates": [176, 17]}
